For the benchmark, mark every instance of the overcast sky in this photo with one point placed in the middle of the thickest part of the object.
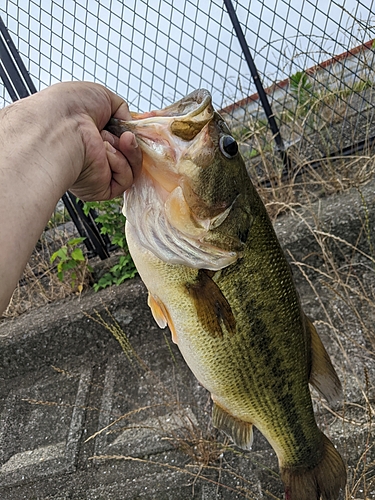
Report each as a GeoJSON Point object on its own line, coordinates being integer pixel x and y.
{"type": "Point", "coordinates": [153, 52]}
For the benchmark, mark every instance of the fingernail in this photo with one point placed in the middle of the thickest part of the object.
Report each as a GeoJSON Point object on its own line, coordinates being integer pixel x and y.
{"type": "Point", "coordinates": [134, 142]}
{"type": "Point", "coordinates": [110, 138]}
{"type": "Point", "coordinates": [109, 147]}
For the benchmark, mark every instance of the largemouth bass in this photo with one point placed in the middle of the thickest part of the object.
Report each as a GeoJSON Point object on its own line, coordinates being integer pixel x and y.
{"type": "Point", "coordinates": [206, 250]}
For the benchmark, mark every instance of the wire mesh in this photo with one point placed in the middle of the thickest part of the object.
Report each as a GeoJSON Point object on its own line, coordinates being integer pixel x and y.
{"type": "Point", "coordinates": [315, 58]}
{"type": "Point", "coordinates": [153, 52]}
{"type": "Point", "coordinates": [149, 52]}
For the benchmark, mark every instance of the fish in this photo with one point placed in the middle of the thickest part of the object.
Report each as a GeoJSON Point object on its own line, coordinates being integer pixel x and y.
{"type": "Point", "coordinates": [206, 249]}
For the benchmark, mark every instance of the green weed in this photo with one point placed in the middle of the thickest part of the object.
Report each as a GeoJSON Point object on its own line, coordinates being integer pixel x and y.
{"type": "Point", "coordinates": [112, 223]}
{"type": "Point", "coordinates": [71, 262]}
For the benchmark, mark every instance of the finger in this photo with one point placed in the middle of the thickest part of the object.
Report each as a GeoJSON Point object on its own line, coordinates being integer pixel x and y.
{"type": "Point", "coordinates": [122, 174]}
{"type": "Point", "coordinates": [122, 112]}
{"type": "Point", "coordinates": [129, 148]}
{"type": "Point", "coordinates": [119, 107]}
{"type": "Point", "coordinates": [112, 139]}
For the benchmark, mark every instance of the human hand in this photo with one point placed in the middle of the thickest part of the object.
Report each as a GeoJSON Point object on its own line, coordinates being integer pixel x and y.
{"type": "Point", "coordinates": [107, 165]}
{"type": "Point", "coordinates": [50, 142]}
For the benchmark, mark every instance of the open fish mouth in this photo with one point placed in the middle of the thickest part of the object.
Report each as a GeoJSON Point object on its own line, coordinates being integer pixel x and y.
{"type": "Point", "coordinates": [166, 135]}
{"type": "Point", "coordinates": [183, 119]}
{"type": "Point", "coordinates": [171, 219]}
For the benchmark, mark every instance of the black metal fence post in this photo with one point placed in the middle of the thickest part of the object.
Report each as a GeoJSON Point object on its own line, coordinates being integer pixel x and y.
{"type": "Point", "coordinates": [260, 89]}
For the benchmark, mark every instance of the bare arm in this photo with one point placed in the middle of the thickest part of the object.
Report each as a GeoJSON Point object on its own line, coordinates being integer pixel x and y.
{"type": "Point", "coordinates": [51, 142]}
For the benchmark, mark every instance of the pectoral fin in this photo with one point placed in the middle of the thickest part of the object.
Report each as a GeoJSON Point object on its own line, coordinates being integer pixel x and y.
{"type": "Point", "coordinates": [322, 375]}
{"type": "Point", "coordinates": [157, 312]}
{"type": "Point", "coordinates": [161, 315]}
{"type": "Point", "coordinates": [239, 431]}
{"type": "Point", "coordinates": [213, 309]}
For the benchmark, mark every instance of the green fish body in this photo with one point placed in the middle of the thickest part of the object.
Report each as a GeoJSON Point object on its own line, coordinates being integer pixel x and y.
{"type": "Point", "coordinates": [206, 250]}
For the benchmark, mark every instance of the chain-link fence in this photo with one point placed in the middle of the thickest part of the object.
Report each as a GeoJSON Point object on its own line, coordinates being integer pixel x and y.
{"type": "Point", "coordinates": [315, 60]}
{"type": "Point", "coordinates": [155, 51]}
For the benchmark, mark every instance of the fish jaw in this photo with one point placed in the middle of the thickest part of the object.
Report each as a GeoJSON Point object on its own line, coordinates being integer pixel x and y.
{"type": "Point", "coordinates": [165, 135]}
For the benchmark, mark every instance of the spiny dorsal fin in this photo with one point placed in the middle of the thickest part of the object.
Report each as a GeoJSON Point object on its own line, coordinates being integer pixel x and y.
{"type": "Point", "coordinates": [239, 431]}
{"type": "Point", "coordinates": [323, 375]}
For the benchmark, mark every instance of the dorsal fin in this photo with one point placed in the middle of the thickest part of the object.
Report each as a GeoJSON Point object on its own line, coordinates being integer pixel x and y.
{"type": "Point", "coordinates": [323, 376]}
{"type": "Point", "coordinates": [239, 431]}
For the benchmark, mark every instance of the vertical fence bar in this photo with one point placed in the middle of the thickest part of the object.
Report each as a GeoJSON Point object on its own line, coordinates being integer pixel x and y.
{"type": "Point", "coordinates": [18, 74]}
{"type": "Point", "coordinates": [260, 89]}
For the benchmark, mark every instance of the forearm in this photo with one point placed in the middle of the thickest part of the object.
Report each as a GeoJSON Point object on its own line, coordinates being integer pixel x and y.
{"type": "Point", "coordinates": [51, 142]}
{"type": "Point", "coordinates": [36, 168]}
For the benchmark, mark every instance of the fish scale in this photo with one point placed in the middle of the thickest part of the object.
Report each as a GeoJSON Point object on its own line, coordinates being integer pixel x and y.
{"type": "Point", "coordinates": [217, 276]}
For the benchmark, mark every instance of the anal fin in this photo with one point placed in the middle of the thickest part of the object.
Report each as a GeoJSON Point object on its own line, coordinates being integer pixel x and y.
{"type": "Point", "coordinates": [239, 431]}
{"type": "Point", "coordinates": [322, 375]}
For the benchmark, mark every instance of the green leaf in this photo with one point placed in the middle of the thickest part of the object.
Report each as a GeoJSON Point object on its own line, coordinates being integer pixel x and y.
{"type": "Point", "coordinates": [104, 281]}
{"type": "Point", "coordinates": [121, 279]}
{"type": "Point", "coordinates": [89, 205]}
{"type": "Point", "coordinates": [69, 264]}
{"type": "Point", "coordinates": [77, 255]}
{"type": "Point", "coordinates": [76, 241]}
{"type": "Point", "coordinates": [61, 253]}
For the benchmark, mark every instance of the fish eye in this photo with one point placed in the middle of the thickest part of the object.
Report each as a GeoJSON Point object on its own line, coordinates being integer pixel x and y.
{"type": "Point", "coordinates": [228, 146]}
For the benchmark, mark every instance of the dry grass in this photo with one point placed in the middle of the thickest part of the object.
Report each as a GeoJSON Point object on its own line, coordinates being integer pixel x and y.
{"type": "Point", "coordinates": [311, 177]}
{"type": "Point", "coordinates": [40, 284]}
{"type": "Point", "coordinates": [341, 275]}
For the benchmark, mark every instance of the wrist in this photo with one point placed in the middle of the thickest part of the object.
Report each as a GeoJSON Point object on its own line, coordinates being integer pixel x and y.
{"type": "Point", "coordinates": [40, 144]}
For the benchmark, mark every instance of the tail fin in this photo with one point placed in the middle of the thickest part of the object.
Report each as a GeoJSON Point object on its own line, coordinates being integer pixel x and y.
{"type": "Point", "coordinates": [322, 482]}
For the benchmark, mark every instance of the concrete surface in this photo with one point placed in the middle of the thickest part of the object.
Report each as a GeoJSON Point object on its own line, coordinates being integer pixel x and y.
{"type": "Point", "coordinates": [80, 419]}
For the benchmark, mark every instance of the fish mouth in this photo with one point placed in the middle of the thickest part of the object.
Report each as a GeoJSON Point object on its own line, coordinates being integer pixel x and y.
{"type": "Point", "coordinates": [191, 114]}
{"type": "Point", "coordinates": [184, 119]}
{"type": "Point", "coordinates": [165, 135]}
{"type": "Point", "coordinates": [161, 204]}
